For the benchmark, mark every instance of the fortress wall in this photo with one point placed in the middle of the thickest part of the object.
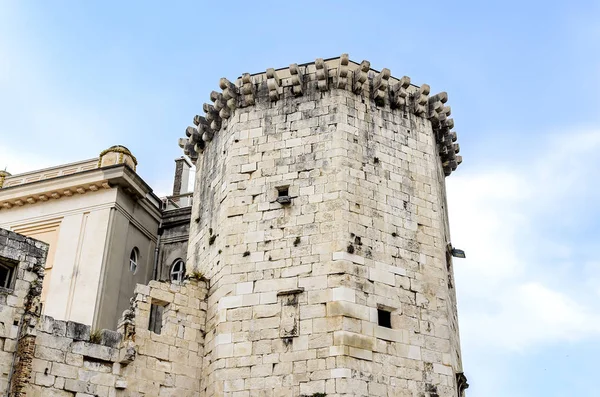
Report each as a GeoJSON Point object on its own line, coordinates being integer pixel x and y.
{"type": "Point", "coordinates": [298, 282]}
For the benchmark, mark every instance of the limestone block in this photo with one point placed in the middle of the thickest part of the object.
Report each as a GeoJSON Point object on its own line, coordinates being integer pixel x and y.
{"type": "Point", "coordinates": [345, 256]}
{"type": "Point", "coordinates": [64, 370]}
{"type": "Point", "coordinates": [349, 309]}
{"type": "Point", "coordinates": [44, 380]}
{"type": "Point", "coordinates": [353, 339]}
{"type": "Point", "coordinates": [95, 351]}
{"type": "Point", "coordinates": [343, 294]}
{"type": "Point", "coordinates": [229, 302]}
{"type": "Point", "coordinates": [49, 354]}
{"type": "Point", "coordinates": [382, 276]}
{"type": "Point", "coordinates": [393, 335]}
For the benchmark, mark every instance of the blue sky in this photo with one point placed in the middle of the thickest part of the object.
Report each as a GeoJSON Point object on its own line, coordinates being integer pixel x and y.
{"type": "Point", "coordinates": [522, 77]}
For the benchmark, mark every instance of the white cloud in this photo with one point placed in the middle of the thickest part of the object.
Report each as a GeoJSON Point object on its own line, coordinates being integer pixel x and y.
{"type": "Point", "coordinates": [511, 295]}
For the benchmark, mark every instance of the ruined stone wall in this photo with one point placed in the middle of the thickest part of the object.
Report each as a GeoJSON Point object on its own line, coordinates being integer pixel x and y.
{"type": "Point", "coordinates": [40, 356]}
{"type": "Point", "coordinates": [71, 360]}
{"type": "Point", "coordinates": [319, 205]}
{"type": "Point", "coordinates": [19, 307]}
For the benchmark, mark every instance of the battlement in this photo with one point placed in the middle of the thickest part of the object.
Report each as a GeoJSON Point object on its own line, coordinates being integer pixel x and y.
{"type": "Point", "coordinates": [380, 87]}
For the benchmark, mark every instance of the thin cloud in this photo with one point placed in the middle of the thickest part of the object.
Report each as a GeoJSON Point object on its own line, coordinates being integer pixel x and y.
{"type": "Point", "coordinates": [510, 295]}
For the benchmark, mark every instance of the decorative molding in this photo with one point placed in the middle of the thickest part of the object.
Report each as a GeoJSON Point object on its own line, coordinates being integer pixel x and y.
{"type": "Point", "coordinates": [55, 194]}
{"type": "Point", "coordinates": [48, 173]}
{"type": "Point", "coordinates": [117, 149]}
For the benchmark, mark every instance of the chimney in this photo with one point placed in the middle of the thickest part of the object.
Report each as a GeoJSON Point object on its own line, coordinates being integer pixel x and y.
{"type": "Point", "coordinates": [182, 176]}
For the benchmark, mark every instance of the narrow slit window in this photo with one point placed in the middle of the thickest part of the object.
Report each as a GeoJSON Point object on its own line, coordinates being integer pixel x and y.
{"type": "Point", "coordinates": [384, 318]}
{"type": "Point", "coordinates": [156, 314]}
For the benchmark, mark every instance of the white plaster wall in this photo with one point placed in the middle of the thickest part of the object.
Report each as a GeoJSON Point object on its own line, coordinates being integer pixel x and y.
{"type": "Point", "coordinates": [73, 287]}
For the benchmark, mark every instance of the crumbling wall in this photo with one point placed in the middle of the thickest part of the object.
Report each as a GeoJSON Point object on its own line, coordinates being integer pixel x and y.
{"type": "Point", "coordinates": [40, 356]}
{"type": "Point", "coordinates": [19, 308]}
{"type": "Point", "coordinates": [70, 359]}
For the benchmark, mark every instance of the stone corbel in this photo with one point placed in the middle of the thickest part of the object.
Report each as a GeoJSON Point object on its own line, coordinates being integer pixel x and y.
{"type": "Point", "coordinates": [436, 111]}
{"type": "Point", "coordinates": [420, 100]}
{"type": "Point", "coordinates": [360, 77]}
{"type": "Point", "coordinates": [203, 133]}
{"type": "Point", "coordinates": [273, 84]}
{"type": "Point", "coordinates": [342, 72]}
{"type": "Point", "coordinates": [212, 116]}
{"type": "Point", "coordinates": [220, 104]}
{"type": "Point", "coordinates": [230, 93]}
{"type": "Point", "coordinates": [399, 93]}
{"type": "Point", "coordinates": [322, 74]}
{"type": "Point", "coordinates": [248, 90]}
{"type": "Point", "coordinates": [380, 86]}
{"type": "Point", "coordinates": [297, 80]}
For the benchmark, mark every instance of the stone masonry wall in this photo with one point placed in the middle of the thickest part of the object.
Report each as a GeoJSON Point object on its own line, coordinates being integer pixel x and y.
{"type": "Point", "coordinates": [19, 308]}
{"type": "Point", "coordinates": [317, 207]}
{"type": "Point", "coordinates": [43, 357]}
{"type": "Point", "coordinates": [72, 360]}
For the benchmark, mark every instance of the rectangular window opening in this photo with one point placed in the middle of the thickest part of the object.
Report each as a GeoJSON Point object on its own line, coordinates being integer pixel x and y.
{"type": "Point", "coordinates": [6, 275]}
{"type": "Point", "coordinates": [384, 318]}
{"type": "Point", "coordinates": [156, 314]}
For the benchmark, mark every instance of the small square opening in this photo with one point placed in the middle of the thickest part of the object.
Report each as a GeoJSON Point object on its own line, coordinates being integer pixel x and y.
{"type": "Point", "coordinates": [283, 195]}
{"type": "Point", "coordinates": [283, 191]}
{"type": "Point", "coordinates": [384, 318]}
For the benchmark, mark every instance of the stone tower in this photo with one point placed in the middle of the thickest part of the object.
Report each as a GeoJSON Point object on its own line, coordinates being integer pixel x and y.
{"type": "Point", "coordinates": [320, 221]}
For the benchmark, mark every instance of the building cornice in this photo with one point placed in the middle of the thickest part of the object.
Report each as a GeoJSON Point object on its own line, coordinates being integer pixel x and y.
{"type": "Point", "coordinates": [78, 183]}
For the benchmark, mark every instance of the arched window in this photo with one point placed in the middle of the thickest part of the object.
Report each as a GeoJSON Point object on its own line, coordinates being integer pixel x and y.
{"type": "Point", "coordinates": [133, 260]}
{"type": "Point", "coordinates": [177, 271]}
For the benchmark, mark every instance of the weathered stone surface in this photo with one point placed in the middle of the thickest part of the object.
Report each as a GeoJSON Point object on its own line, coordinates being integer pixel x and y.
{"type": "Point", "coordinates": [77, 331]}
{"type": "Point", "coordinates": [320, 225]}
{"type": "Point", "coordinates": [330, 217]}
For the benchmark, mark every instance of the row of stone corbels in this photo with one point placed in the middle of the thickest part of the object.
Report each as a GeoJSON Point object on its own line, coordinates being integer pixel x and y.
{"type": "Point", "coordinates": [439, 115]}
{"type": "Point", "coordinates": [396, 94]}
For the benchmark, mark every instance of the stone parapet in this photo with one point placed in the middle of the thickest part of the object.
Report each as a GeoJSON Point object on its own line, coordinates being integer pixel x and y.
{"type": "Point", "coordinates": [380, 87]}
